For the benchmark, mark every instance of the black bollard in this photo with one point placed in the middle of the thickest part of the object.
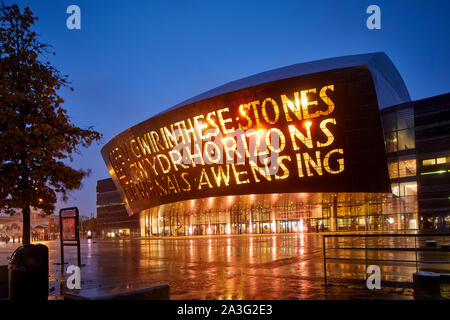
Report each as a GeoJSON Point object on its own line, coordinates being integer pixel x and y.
{"type": "Point", "coordinates": [28, 273]}
{"type": "Point", "coordinates": [426, 285]}
{"type": "Point", "coordinates": [3, 282]}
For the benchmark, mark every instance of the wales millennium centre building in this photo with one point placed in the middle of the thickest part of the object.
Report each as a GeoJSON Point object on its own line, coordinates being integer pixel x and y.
{"type": "Point", "coordinates": [328, 145]}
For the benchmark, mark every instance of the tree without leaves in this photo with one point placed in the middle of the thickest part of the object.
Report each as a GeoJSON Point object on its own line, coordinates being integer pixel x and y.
{"type": "Point", "coordinates": [36, 134]}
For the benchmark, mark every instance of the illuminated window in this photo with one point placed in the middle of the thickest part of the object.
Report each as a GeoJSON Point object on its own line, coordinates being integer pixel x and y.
{"type": "Point", "coordinates": [391, 141]}
{"type": "Point", "coordinates": [408, 189]}
{"type": "Point", "coordinates": [393, 169]}
{"type": "Point", "coordinates": [428, 162]}
{"type": "Point", "coordinates": [441, 160]}
{"type": "Point", "coordinates": [399, 130]}
{"type": "Point", "coordinates": [402, 167]}
{"type": "Point", "coordinates": [395, 188]}
{"type": "Point", "coordinates": [406, 139]}
{"type": "Point", "coordinates": [407, 168]}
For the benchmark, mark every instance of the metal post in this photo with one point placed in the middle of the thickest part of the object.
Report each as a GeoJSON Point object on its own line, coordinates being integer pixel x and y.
{"type": "Point", "coordinates": [77, 237]}
{"type": "Point", "coordinates": [62, 257]}
{"type": "Point", "coordinates": [415, 246]}
{"type": "Point", "coordinates": [365, 245]}
{"type": "Point", "coordinates": [61, 244]}
{"type": "Point", "coordinates": [79, 254]}
{"type": "Point", "coordinates": [324, 261]}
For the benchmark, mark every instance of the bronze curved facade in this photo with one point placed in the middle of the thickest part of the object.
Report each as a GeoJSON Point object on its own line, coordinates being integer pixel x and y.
{"type": "Point", "coordinates": [311, 129]}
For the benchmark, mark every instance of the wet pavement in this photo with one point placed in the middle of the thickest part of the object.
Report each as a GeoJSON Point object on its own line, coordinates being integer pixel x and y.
{"type": "Point", "coordinates": [241, 267]}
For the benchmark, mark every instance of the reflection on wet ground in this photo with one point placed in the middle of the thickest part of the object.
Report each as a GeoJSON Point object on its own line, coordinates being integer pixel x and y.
{"type": "Point", "coordinates": [235, 267]}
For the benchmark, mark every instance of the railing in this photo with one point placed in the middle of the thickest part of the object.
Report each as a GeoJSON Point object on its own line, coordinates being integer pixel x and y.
{"type": "Point", "coordinates": [366, 248]}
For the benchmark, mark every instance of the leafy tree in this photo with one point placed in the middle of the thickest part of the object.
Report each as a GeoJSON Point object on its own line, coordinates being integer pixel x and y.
{"type": "Point", "coordinates": [92, 225]}
{"type": "Point", "coordinates": [36, 134]}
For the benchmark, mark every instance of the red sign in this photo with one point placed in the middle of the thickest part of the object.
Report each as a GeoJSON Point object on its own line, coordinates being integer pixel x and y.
{"type": "Point", "coordinates": [69, 221]}
{"type": "Point", "coordinates": [68, 228]}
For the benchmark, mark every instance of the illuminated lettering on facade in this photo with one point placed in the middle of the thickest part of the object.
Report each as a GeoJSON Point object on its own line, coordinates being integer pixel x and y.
{"type": "Point", "coordinates": [253, 142]}
{"type": "Point", "coordinates": [304, 134]}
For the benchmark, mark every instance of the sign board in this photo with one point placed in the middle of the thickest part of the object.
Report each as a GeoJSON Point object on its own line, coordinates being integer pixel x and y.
{"type": "Point", "coordinates": [69, 231]}
{"type": "Point", "coordinates": [69, 225]}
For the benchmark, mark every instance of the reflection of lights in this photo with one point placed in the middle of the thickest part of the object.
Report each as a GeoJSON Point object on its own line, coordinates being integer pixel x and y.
{"type": "Point", "coordinates": [191, 247]}
{"type": "Point", "coordinates": [273, 226]}
{"type": "Point", "coordinates": [208, 230]}
{"type": "Point", "coordinates": [190, 230]}
{"type": "Point", "coordinates": [300, 223]}
{"type": "Point", "coordinates": [391, 220]}
{"type": "Point", "coordinates": [274, 248]}
{"type": "Point", "coordinates": [228, 229]}
{"type": "Point", "coordinates": [302, 243]}
{"type": "Point", "coordinates": [209, 248]}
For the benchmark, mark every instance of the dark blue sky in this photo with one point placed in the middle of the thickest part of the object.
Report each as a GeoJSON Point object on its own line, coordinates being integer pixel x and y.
{"type": "Point", "coordinates": [133, 59]}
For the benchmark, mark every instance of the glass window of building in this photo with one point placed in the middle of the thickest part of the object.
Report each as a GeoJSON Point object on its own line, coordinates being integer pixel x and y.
{"type": "Point", "coordinates": [405, 119]}
{"type": "Point", "coordinates": [408, 189]}
{"type": "Point", "coordinates": [406, 139]}
{"type": "Point", "coordinates": [407, 167]}
{"type": "Point", "coordinates": [428, 162]}
{"type": "Point", "coordinates": [389, 122]}
{"type": "Point", "coordinates": [391, 141]}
